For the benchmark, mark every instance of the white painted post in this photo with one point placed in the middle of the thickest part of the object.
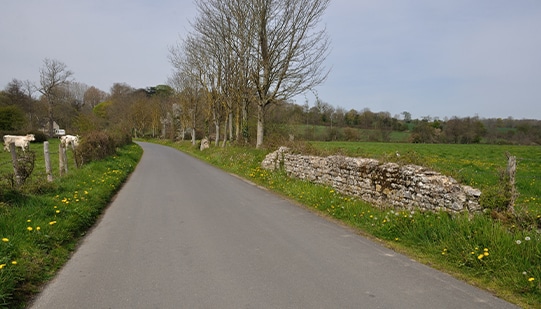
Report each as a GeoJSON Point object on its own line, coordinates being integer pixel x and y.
{"type": "Point", "coordinates": [47, 156]}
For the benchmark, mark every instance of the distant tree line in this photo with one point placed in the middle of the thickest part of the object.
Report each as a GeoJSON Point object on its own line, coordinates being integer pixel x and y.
{"type": "Point", "coordinates": [164, 112]}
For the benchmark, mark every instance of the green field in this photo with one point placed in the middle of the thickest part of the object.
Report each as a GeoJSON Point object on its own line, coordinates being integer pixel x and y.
{"type": "Point", "coordinates": [39, 167]}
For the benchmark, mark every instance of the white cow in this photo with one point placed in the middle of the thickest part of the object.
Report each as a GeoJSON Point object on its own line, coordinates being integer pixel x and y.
{"type": "Point", "coordinates": [67, 140]}
{"type": "Point", "coordinates": [19, 141]}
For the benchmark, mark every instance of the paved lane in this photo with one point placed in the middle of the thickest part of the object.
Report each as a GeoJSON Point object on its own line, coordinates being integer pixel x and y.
{"type": "Point", "coordinates": [183, 234]}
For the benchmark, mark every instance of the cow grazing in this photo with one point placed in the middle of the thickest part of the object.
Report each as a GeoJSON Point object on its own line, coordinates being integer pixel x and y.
{"type": "Point", "coordinates": [67, 140]}
{"type": "Point", "coordinates": [19, 141]}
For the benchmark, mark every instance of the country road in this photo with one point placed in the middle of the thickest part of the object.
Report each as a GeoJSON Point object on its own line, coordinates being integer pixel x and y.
{"type": "Point", "coordinates": [183, 234]}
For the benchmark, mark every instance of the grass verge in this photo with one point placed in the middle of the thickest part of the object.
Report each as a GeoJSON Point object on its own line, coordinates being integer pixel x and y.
{"type": "Point", "coordinates": [500, 256]}
{"type": "Point", "coordinates": [41, 226]}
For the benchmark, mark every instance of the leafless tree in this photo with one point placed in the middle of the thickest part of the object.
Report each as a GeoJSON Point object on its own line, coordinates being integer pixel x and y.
{"type": "Point", "coordinates": [93, 96]}
{"type": "Point", "coordinates": [53, 75]}
{"type": "Point", "coordinates": [289, 52]}
{"type": "Point", "coordinates": [279, 43]}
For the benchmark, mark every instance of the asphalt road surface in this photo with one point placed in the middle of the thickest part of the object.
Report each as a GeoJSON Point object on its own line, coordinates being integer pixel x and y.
{"type": "Point", "coordinates": [183, 234]}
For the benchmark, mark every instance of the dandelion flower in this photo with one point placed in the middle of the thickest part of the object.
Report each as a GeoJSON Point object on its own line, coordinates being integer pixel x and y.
{"type": "Point", "coordinates": [486, 250]}
{"type": "Point", "coordinates": [531, 279]}
{"type": "Point", "coordinates": [481, 256]}
{"type": "Point", "coordinates": [527, 238]}
{"type": "Point", "coordinates": [29, 228]}
{"type": "Point", "coordinates": [2, 266]}
{"type": "Point", "coordinates": [518, 241]}
{"type": "Point", "coordinates": [38, 228]}
{"type": "Point", "coordinates": [28, 220]}
{"type": "Point", "coordinates": [5, 239]}
{"type": "Point", "coordinates": [52, 222]}
{"type": "Point", "coordinates": [485, 254]}
{"type": "Point", "coordinates": [58, 211]}
{"type": "Point", "coordinates": [13, 262]}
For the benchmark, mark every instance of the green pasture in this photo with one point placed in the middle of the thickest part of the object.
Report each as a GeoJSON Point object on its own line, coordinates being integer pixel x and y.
{"type": "Point", "coordinates": [324, 133]}
{"type": "Point", "coordinates": [39, 173]}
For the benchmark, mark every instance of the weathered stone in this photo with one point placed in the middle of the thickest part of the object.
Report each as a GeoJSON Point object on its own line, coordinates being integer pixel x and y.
{"type": "Point", "coordinates": [205, 144]}
{"type": "Point", "coordinates": [384, 184]}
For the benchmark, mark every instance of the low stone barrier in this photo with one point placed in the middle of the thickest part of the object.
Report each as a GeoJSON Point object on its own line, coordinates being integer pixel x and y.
{"type": "Point", "coordinates": [384, 184]}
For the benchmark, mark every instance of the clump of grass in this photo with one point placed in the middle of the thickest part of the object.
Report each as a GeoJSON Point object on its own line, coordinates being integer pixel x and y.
{"type": "Point", "coordinates": [499, 255]}
{"type": "Point", "coordinates": [38, 231]}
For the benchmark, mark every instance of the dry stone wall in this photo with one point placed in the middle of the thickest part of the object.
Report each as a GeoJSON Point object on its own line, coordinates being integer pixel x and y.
{"type": "Point", "coordinates": [384, 184]}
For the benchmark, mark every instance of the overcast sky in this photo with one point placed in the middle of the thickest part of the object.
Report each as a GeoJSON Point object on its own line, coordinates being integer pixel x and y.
{"type": "Point", "coordinates": [438, 58]}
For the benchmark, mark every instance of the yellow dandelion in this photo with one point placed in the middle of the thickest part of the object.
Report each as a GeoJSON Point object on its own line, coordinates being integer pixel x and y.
{"type": "Point", "coordinates": [531, 279]}
{"type": "Point", "coordinates": [5, 239]}
{"type": "Point", "coordinates": [29, 228]}
{"type": "Point", "coordinates": [58, 211]}
{"type": "Point", "coordinates": [28, 220]}
{"type": "Point", "coordinates": [486, 250]}
{"type": "Point", "coordinates": [38, 228]}
{"type": "Point", "coordinates": [485, 254]}
{"type": "Point", "coordinates": [2, 266]}
{"type": "Point", "coordinates": [481, 256]}
{"type": "Point", "coordinates": [13, 262]}
{"type": "Point", "coordinates": [52, 222]}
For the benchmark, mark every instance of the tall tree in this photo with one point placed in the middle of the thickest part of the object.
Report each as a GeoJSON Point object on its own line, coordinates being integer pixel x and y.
{"type": "Point", "coordinates": [263, 50]}
{"type": "Point", "coordinates": [289, 52]}
{"type": "Point", "coordinates": [53, 75]}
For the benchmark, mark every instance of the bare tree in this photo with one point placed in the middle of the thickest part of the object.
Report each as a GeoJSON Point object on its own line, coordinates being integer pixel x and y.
{"type": "Point", "coordinates": [289, 51]}
{"type": "Point", "coordinates": [93, 96]}
{"type": "Point", "coordinates": [265, 51]}
{"type": "Point", "coordinates": [53, 74]}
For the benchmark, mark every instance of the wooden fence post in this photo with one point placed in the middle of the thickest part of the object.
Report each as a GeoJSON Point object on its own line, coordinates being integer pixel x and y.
{"type": "Point", "coordinates": [62, 160]}
{"type": "Point", "coordinates": [15, 163]}
{"type": "Point", "coordinates": [47, 156]}
{"type": "Point", "coordinates": [511, 173]}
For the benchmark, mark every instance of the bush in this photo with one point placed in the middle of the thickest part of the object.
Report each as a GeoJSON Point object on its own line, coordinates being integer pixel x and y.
{"type": "Point", "coordinates": [94, 146]}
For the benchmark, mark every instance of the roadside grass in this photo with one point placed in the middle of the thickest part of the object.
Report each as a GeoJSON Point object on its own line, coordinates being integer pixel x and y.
{"type": "Point", "coordinates": [41, 223]}
{"type": "Point", "coordinates": [501, 256]}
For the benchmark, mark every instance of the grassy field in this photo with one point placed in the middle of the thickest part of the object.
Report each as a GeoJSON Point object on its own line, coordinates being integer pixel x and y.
{"type": "Point", "coordinates": [502, 256]}
{"type": "Point", "coordinates": [41, 222]}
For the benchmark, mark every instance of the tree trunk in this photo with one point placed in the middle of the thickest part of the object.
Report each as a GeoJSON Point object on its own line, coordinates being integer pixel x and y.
{"type": "Point", "coordinates": [224, 140]}
{"type": "Point", "coordinates": [260, 125]}
{"type": "Point", "coordinates": [230, 124]}
{"type": "Point", "coordinates": [51, 121]}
